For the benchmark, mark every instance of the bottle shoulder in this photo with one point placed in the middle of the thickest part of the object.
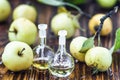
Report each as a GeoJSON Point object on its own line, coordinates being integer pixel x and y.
{"type": "Point", "coordinates": [45, 48]}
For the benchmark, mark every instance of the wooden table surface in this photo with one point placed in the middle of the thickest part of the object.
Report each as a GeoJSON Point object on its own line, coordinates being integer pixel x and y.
{"type": "Point", "coordinates": [81, 71]}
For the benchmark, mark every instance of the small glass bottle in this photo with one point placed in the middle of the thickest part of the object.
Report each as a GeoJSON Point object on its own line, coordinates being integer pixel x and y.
{"type": "Point", "coordinates": [62, 64]}
{"type": "Point", "coordinates": [42, 52]}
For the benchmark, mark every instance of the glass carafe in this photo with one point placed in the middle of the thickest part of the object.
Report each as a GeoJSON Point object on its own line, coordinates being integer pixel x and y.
{"type": "Point", "coordinates": [42, 52]}
{"type": "Point", "coordinates": [62, 64]}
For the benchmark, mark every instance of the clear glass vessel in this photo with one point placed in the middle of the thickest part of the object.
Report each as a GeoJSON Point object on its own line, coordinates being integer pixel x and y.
{"type": "Point", "coordinates": [62, 64]}
{"type": "Point", "coordinates": [42, 52]}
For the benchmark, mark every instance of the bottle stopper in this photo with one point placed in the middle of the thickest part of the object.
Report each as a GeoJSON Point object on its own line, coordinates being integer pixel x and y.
{"type": "Point", "coordinates": [62, 36]}
{"type": "Point", "coordinates": [42, 30]}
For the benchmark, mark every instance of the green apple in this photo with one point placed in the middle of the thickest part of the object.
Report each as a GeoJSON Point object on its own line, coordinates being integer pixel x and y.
{"type": "Point", "coordinates": [17, 56]}
{"type": "Point", "coordinates": [23, 30]}
{"type": "Point", "coordinates": [64, 21]}
{"type": "Point", "coordinates": [75, 47]}
{"type": "Point", "coordinates": [5, 10]}
{"type": "Point", "coordinates": [107, 3]}
{"type": "Point", "coordinates": [26, 11]}
{"type": "Point", "coordinates": [99, 58]}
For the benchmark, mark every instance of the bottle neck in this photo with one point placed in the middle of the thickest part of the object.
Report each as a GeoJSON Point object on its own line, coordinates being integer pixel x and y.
{"type": "Point", "coordinates": [43, 41]}
{"type": "Point", "coordinates": [62, 44]}
{"type": "Point", "coordinates": [62, 48]}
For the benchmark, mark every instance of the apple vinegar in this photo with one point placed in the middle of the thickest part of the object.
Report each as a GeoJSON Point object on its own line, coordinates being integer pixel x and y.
{"type": "Point", "coordinates": [62, 64]}
{"type": "Point", "coordinates": [42, 52]}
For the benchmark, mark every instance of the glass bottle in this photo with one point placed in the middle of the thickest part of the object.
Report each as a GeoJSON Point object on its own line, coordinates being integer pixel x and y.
{"type": "Point", "coordinates": [42, 52]}
{"type": "Point", "coordinates": [62, 64]}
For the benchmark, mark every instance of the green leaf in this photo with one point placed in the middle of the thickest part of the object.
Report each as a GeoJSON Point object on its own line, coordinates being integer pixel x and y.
{"type": "Point", "coordinates": [76, 1]}
{"type": "Point", "coordinates": [52, 2]}
{"type": "Point", "coordinates": [60, 3]}
{"type": "Point", "coordinates": [89, 43]}
{"type": "Point", "coordinates": [117, 40]}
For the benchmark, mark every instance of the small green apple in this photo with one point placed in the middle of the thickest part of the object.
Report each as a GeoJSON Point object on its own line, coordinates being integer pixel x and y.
{"type": "Point", "coordinates": [107, 3]}
{"type": "Point", "coordinates": [99, 58]}
{"type": "Point", "coordinates": [64, 21]}
{"type": "Point", "coordinates": [23, 30]}
{"type": "Point", "coordinates": [75, 47]}
{"type": "Point", "coordinates": [5, 10]}
{"type": "Point", "coordinates": [26, 11]}
{"type": "Point", "coordinates": [17, 56]}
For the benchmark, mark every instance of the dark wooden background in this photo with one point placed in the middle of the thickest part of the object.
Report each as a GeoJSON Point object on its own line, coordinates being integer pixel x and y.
{"type": "Point", "coordinates": [81, 71]}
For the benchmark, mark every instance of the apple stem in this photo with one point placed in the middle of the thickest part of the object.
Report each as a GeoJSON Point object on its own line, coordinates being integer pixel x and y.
{"type": "Point", "coordinates": [99, 40]}
{"type": "Point", "coordinates": [95, 71]}
{"type": "Point", "coordinates": [109, 72]}
{"type": "Point", "coordinates": [103, 19]}
{"type": "Point", "coordinates": [20, 52]}
{"type": "Point", "coordinates": [14, 31]}
{"type": "Point", "coordinates": [111, 50]}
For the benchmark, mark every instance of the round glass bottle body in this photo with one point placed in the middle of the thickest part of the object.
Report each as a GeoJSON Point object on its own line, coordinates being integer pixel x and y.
{"type": "Point", "coordinates": [42, 52]}
{"type": "Point", "coordinates": [42, 55]}
{"type": "Point", "coordinates": [61, 65]}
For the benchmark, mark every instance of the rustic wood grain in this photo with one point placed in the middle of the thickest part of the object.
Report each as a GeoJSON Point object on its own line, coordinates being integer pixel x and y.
{"type": "Point", "coordinates": [81, 71]}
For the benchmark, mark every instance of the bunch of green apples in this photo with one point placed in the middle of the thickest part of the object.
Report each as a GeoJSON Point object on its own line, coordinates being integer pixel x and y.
{"type": "Point", "coordinates": [23, 28]}
{"type": "Point", "coordinates": [83, 49]}
{"type": "Point", "coordinates": [97, 57]}
{"type": "Point", "coordinates": [17, 54]}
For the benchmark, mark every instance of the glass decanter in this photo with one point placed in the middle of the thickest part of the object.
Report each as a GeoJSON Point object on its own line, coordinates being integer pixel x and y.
{"type": "Point", "coordinates": [42, 52]}
{"type": "Point", "coordinates": [62, 64]}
